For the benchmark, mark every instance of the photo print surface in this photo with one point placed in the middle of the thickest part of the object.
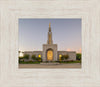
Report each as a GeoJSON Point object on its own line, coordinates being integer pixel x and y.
{"type": "Point", "coordinates": [50, 43]}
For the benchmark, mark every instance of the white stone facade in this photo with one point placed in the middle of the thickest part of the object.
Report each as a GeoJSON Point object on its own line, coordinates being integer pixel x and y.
{"type": "Point", "coordinates": [72, 54]}
{"type": "Point", "coordinates": [47, 47]}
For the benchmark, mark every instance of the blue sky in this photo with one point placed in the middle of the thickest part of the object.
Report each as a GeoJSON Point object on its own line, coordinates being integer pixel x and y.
{"type": "Point", "coordinates": [66, 33]}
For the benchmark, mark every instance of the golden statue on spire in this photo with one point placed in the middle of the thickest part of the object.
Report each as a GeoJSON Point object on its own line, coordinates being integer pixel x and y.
{"type": "Point", "coordinates": [49, 24]}
{"type": "Point", "coordinates": [49, 27]}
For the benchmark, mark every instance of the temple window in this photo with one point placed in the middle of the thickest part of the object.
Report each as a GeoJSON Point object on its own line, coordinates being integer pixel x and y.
{"type": "Point", "coordinates": [39, 56]}
{"type": "Point", "coordinates": [60, 57]}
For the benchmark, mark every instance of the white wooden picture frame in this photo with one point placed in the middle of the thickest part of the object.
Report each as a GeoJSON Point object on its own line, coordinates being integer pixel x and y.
{"type": "Point", "coordinates": [12, 76]}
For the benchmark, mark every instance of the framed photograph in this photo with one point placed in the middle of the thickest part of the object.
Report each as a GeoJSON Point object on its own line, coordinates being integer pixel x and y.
{"type": "Point", "coordinates": [49, 43]}
{"type": "Point", "coordinates": [65, 54]}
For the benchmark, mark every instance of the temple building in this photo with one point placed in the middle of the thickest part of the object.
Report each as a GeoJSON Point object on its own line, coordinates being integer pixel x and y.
{"type": "Point", "coordinates": [50, 52]}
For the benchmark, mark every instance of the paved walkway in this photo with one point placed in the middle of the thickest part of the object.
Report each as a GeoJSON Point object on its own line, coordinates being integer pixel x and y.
{"type": "Point", "coordinates": [73, 65]}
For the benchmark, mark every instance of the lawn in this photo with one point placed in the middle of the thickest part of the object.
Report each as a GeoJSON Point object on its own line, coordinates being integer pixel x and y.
{"type": "Point", "coordinates": [29, 62]}
{"type": "Point", "coordinates": [70, 61]}
{"type": "Point", "coordinates": [37, 62]}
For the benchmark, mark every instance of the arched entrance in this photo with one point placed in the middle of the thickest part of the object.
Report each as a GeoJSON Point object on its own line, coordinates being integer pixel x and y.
{"type": "Point", "coordinates": [49, 55]}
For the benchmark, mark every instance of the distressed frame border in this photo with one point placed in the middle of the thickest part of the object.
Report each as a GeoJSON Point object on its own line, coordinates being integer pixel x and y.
{"type": "Point", "coordinates": [87, 76]}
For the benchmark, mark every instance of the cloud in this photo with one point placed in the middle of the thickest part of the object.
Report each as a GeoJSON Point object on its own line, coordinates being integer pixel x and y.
{"type": "Point", "coordinates": [69, 49]}
{"type": "Point", "coordinates": [79, 50]}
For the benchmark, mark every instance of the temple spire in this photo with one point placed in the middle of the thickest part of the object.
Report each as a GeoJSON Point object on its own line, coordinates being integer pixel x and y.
{"type": "Point", "coordinates": [49, 41]}
{"type": "Point", "coordinates": [49, 27]}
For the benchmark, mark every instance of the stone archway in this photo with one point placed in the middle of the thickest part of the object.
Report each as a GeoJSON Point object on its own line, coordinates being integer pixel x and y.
{"type": "Point", "coordinates": [49, 55]}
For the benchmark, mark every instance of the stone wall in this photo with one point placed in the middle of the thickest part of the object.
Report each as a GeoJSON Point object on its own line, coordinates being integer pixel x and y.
{"type": "Point", "coordinates": [30, 53]}
{"type": "Point", "coordinates": [72, 54]}
{"type": "Point", "coordinates": [50, 46]}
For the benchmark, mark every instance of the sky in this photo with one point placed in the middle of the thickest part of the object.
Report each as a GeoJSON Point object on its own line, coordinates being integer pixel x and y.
{"type": "Point", "coordinates": [66, 33]}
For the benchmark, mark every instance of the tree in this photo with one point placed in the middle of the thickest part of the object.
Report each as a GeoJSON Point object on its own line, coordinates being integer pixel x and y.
{"type": "Point", "coordinates": [38, 59]}
{"type": "Point", "coordinates": [64, 57]}
{"type": "Point", "coordinates": [33, 57]}
{"type": "Point", "coordinates": [20, 59]}
{"type": "Point", "coordinates": [78, 56]}
{"type": "Point", "coordinates": [26, 56]}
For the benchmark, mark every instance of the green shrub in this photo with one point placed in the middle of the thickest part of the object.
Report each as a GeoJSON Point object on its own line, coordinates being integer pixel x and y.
{"type": "Point", "coordinates": [33, 57]}
{"type": "Point", "coordinates": [29, 62]}
{"type": "Point", "coordinates": [20, 59]}
{"type": "Point", "coordinates": [36, 58]}
{"type": "Point", "coordinates": [78, 56]}
{"type": "Point", "coordinates": [26, 56]}
{"type": "Point", "coordinates": [64, 57]}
